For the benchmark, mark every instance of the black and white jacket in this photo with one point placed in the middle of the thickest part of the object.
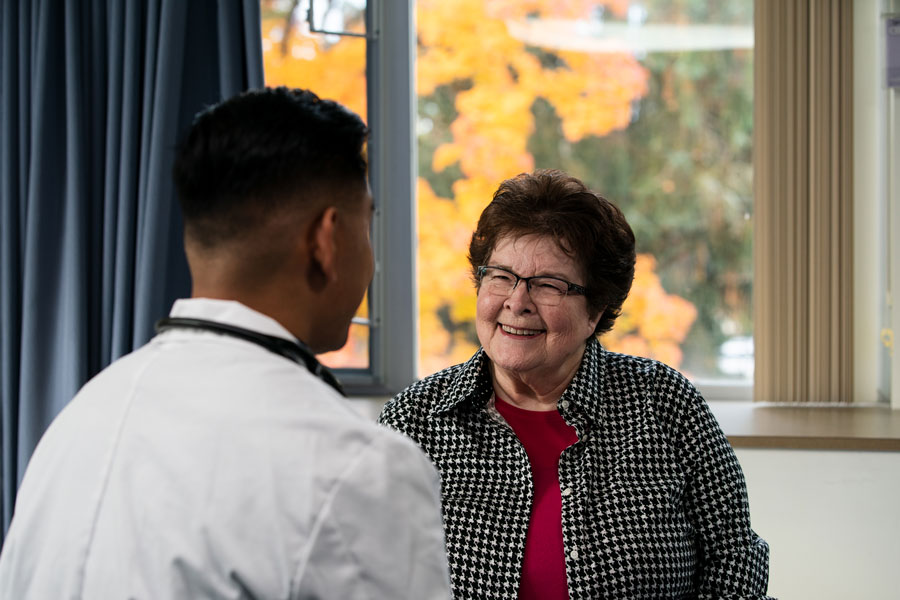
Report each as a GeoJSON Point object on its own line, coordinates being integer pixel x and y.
{"type": "Point", "coordinates": [654, 503]}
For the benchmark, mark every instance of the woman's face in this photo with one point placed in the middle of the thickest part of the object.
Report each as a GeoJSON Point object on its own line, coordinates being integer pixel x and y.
{"type": "Point", "coordinates": [523, 338]}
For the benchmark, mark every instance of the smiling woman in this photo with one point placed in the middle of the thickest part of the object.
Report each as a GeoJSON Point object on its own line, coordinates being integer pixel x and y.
{"type": "Point", "coordinates": [627, 487]}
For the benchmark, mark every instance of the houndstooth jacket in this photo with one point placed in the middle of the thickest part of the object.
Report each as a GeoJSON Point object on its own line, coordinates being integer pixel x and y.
{"type": "Point", "coordinates": [654, 503]}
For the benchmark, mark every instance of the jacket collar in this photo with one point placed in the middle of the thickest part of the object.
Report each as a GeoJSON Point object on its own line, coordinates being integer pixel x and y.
{"type": "Point", "coordinates": [471, 386]}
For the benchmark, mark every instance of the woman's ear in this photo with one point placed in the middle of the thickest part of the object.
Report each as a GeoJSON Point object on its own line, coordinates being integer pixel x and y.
{"type": "Point", "coordinates": [322, 243]}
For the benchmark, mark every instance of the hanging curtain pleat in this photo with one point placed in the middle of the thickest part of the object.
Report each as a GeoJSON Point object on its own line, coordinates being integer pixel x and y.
{"type": "Point", "coordinates": [93, 98]}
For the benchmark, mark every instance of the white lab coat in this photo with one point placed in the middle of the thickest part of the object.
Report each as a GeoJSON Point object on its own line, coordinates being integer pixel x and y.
{"type": "Point", "coordinates": [205, 466]}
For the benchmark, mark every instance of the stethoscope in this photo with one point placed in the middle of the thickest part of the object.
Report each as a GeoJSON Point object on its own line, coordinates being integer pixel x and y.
{"type": "Point", "coordinates": [291, 350]}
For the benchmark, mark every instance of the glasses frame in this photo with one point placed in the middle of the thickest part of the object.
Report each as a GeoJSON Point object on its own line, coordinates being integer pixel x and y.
{"type": "Point", "coordinates": [570, 287]}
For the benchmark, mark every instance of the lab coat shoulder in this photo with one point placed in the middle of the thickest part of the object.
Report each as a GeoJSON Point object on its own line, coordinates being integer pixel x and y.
{"type": "Point", "coordinates": [333, 498]}
{"type": "Point", "coordinates": [56, 502]}
{"type": "Point", "coordinates": [380, 533]}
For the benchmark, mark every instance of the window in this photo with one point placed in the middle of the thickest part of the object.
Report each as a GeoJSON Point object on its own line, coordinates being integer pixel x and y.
{"type": "Point", "coordinates": [649, 103]}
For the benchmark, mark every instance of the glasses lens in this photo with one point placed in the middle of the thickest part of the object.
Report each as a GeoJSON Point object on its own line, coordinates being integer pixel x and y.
{"type": "Point", "coordinates": [498, 282]}
{"type": "Point", "coordinates": [547, 291]}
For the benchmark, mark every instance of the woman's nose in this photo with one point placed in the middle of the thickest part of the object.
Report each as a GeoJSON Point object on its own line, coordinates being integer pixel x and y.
{"type": "Point", "coordinates": [519, 299]}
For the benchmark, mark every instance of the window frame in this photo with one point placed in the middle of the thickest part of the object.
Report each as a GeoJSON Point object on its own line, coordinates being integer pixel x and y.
{"type": "Point", "coordinates": [393, 339]}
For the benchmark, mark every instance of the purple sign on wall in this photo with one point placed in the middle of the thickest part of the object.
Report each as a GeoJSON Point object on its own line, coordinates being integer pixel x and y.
{"type": "Point", "coordinates": [892, 54]}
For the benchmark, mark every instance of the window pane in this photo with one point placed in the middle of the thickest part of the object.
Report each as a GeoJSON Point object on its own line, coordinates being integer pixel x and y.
{"type": "Point", "coordinates": [650, 104]}
{"type": "Point", "coordinates": [334, 67]}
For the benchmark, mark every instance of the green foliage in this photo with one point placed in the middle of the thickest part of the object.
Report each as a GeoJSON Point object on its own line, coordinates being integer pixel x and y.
{"type": "Point", "coordinates": [682, 172]}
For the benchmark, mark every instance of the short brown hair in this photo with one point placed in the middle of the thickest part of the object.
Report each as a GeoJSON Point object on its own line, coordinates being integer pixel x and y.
{"type": "Point", "coordinates": [585, 225]}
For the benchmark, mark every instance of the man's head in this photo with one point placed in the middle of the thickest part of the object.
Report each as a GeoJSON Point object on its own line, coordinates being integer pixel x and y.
{"type": "Point", "coordinates": [276, 206]}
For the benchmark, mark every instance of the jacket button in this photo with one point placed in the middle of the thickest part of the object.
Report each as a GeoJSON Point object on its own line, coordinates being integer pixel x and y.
{"type": "Point", "coordinates": [567, 491]}
{"type": "Point", "coordinates": [573, 554]}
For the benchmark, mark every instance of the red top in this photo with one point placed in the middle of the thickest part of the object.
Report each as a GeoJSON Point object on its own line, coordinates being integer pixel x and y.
{"type": "Point", "coordinates": [544, 434]}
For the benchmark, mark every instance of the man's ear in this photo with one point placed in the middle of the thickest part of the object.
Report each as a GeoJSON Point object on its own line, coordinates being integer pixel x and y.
{"type": "Point", "coordinates": [322, 240]}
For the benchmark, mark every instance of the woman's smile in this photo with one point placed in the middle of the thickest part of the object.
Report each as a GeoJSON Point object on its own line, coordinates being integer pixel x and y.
{"type": "Point", "coordinates": [519, 332]}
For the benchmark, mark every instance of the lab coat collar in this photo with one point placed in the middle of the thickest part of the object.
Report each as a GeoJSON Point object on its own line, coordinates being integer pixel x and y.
{"type": "Point", "coordinates": [231, 312]}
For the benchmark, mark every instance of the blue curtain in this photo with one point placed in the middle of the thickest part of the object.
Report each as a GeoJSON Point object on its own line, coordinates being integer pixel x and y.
{"type": "Point", "coordinates": [94, 95]}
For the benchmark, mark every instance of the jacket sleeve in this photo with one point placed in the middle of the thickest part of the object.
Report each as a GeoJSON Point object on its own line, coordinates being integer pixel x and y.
{"type": "Point", "coordinates": [734, 560]}
{"type": "Point", "coordinates": [380, 535]}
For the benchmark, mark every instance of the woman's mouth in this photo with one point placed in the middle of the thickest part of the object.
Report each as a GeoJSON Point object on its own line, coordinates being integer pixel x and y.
{"type": "Point", "coordinates": [523, 332]}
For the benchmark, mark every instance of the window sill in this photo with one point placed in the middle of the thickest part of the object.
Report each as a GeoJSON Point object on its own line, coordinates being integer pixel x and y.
{"type": "Point", "coordinates": [750, 425]}
{"type": "Point", "coordinates": [814, 427]}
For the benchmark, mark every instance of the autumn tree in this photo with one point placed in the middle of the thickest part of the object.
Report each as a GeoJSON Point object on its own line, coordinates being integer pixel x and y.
{"type": "Point", "coordinates": [484, 93]}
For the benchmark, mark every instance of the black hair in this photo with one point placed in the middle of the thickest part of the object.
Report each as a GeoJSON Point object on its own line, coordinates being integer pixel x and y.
{"type": "Point", "coordinates": [262, 150]}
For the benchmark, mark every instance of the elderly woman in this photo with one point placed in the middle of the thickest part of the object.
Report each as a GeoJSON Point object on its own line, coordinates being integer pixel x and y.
{"type": "Point", "coordinates": [569, 471]}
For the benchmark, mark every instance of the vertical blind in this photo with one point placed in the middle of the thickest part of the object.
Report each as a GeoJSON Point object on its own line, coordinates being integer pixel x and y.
{"type": "Point", "coordinates": [803, 169]}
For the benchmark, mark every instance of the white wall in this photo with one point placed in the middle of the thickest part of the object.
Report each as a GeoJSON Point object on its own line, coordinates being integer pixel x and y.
{"type": "Point", "coordinates": [831, 521]}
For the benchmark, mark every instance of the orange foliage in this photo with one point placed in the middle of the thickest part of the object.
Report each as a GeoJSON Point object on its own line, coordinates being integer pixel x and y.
{"type": "Point", "coordinates": [467, 44]}
{"type": "Point", "coordinates": [602, 102]}
{"type": "Point", "coordinates": [336, 71]}
{"type": "Point", "coordinates": [653, 323]}
{"type": "Point", "coordinates": [469, 41]}
{"type": "Point", "coordinates": [354, 354]}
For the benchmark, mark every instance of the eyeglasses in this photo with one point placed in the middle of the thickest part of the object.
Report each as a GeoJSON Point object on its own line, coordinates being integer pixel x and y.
{"type": "Point", "coordinates": [543, 289]}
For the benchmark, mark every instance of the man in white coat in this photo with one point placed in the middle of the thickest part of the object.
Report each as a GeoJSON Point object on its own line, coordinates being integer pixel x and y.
{"type": "Point", "coordinates": [220, 460]}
